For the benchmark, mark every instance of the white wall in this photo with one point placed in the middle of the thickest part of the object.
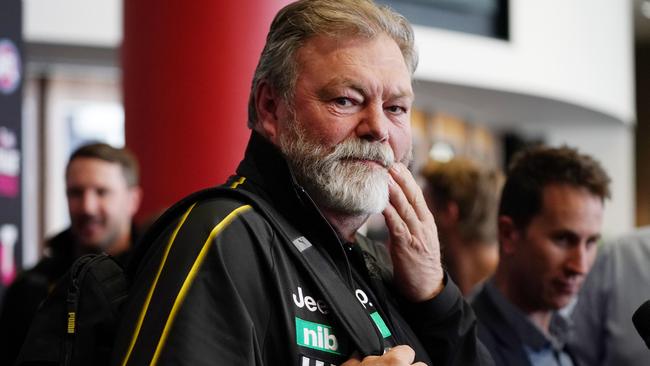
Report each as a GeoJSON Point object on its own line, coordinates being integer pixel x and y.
{"type": "Point", "coordinates": [577, 51]}
{"type": "Point", "coordinates": [67, 92]}
{"type": "Point", "coordinates": [77, 22]}
{"type": "Point", "coordinates": [613, 146]}
{"type": "Point", "coordinates": [566, 75]}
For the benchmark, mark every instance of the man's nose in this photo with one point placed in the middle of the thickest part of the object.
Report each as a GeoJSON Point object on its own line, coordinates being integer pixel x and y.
{"type": "Point", "coordinates": [579, 260]}
{"type": "Point", "coordinates": [89, 202]}
{"type": "Point", "coordinates": [373, 125]}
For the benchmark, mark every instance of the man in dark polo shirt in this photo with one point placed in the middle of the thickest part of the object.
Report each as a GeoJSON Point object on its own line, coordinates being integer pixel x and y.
{"type": "Point", "coordinates": [550, 216]}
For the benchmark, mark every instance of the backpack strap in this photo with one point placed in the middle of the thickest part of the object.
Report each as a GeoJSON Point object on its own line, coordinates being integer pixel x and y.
{"type": "Point", "coordinates": [346, 308]}
{"type": "Point", "coordinates": [75, 323]}
{"type": "Point", "coordinates": [78, 273]}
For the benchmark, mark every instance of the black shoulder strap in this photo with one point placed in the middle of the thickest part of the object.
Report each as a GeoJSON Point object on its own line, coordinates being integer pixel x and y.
{"type": "Point", "coordinates": [78, 272]}
{"type": "Point", "coordinates": [346, 308]}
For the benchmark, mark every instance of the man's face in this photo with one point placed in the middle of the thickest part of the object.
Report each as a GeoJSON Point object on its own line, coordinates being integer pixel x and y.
{"type": "Point", "coordinates": [100, 202]}
{"type": "Point", "coordinates": [554, 253]}
{"type": "Point", "coordinates": [349, 120]}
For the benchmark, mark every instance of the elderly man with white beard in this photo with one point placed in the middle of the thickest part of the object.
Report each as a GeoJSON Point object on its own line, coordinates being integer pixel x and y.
{"type": "Point", "coordinates": [330, 113]}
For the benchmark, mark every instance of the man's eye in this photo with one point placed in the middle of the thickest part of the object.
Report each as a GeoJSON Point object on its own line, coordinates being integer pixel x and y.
{"type": "Point", "coordinates": [561, 240]}
{"type": "Point", "coordinates": [395, 109]}
{"type": "Point", "coordinates": [343, 102]}
{"type": "Point", "coordinates": [592, 242]}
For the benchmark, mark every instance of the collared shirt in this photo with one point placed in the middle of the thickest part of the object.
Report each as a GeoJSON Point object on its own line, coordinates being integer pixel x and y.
{"type": "Point", "coordinates": [542, 349]}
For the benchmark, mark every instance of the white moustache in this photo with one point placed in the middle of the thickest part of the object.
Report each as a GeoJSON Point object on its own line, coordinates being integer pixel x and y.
{"type": "Point", "coordinates": [362, 150]}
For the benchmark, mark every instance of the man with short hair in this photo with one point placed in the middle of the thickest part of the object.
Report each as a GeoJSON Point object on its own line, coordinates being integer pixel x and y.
{"type": "Point", "coordinates": [329, 108]}
{"type": "Point", "coordinates": [103, 196]}
{"type": "Point", "coordinates": [464, 197]}
{"type": "Point", "coordinates": [549, 223]}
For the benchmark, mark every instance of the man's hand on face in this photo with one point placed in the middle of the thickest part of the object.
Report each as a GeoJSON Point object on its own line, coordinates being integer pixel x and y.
{"type": "Point", "coordinates": [397, 356]}
{"type": "Point", "coordinates": [414, 244]}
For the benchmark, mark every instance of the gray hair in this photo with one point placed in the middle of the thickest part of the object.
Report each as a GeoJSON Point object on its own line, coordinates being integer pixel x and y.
{"type": "Point", "coordinates": [298, 22]}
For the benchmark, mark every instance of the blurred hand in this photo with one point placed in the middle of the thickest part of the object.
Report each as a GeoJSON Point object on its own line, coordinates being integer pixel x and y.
{"type": "Point", "coordinates": [397, 356]}
{"type": "Point", "coordinates": [414, 244]}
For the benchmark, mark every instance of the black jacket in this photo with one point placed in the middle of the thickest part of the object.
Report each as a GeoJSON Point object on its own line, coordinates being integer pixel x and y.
{"type": "Point", "coordinates": [27, 292]}
{"type": "Point", "coordinates": [505, 341]}
{"type": "Point", "coordinates": [31, 287]}
{"type": "Point", "coordinates": [244, 300]}
{"type": "Point", "coordinates": [496, 333]}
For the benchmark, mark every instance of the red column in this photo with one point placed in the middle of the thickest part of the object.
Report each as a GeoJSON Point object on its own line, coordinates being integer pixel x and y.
{"type": "Point", "coordinates": [187, 69]}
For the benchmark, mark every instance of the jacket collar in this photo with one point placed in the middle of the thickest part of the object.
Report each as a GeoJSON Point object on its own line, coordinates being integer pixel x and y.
{"type": "Point", "coordinates": [64, 246]}
{"type": "Point", "coordinates": [269, 175]}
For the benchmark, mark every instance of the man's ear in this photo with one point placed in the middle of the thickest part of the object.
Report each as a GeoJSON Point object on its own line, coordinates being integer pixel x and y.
{"type": "Point", "coordinates": [135, 198]}
{"type": "Point", "coordinates": [509, 234]}
{"type": "Point", "coordinates": [447, 214]}
{"type": "Point", "coordinates": [453, 211]}
{"type": "Point", "coordinates": [267, 104]}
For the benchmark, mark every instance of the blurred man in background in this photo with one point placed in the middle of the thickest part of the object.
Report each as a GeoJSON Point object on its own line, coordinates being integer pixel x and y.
{"type": "Point", "coordinates": [103, 196]}
{"type": "Point", "coordinates": [464, 197]}
{"type": "Point", "coordinates": [549, 222]}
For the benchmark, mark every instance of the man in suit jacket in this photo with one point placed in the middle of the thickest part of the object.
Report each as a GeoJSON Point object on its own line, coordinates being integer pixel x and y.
{"type": "Point", "coordinates": [549, 223]}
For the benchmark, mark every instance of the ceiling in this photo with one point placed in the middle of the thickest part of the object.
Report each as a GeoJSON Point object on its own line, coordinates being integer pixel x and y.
{"type": "Point", "coordinates": [503, 110]}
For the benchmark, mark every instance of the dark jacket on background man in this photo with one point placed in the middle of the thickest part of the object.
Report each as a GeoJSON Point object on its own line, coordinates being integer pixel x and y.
{"type": "Point", "coordinates": [510, 336]}
{"type": "Point", "coordinates": [245, 300]}
{"type": "Point", "coordinates": [27, 292]}
{"type": "Point", "coordinates": [31, 287]}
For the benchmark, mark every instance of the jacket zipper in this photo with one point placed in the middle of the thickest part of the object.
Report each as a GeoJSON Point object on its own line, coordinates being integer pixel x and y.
{"type": "Point", "coordinates": [348, 270]}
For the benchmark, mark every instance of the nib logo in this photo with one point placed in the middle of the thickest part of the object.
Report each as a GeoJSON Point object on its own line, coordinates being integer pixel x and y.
{"type": "Point", "coordinates": [316, 336]}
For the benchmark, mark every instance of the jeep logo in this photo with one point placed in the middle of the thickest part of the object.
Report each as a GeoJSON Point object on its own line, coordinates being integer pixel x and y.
{"type": "Point", "coordinates": [310, 303]}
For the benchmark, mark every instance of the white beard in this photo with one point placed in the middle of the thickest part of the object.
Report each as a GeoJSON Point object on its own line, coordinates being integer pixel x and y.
{"type": "Point", "coordinates": [334, 177]}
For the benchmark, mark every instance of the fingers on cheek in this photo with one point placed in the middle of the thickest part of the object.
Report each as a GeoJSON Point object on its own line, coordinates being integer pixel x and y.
{"type": "Point", "coordinates": [397, 198]}
{"type": "Point", "coordinates": [396, 225]}
{"type": "Point", "coordinates": [389, 211]}
{"type": "Point", "coordinates": [393, 187]}
{"type": "Point", "coordinates": [406, 198]}
{"type": "Point", "coordinates": [404, 219]}
{"type": "Point", "coordinates": [390, 215]}
{"type": "Point", "coordinates": [402, 176]}
{"type": "Point", "coordinates": [400, 230]}
{"type": "Point", "coordinates": [394, 172]}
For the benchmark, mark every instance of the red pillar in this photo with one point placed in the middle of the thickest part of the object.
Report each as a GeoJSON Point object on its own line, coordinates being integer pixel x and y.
{"type": "Point", "coordinates": [187, 70]}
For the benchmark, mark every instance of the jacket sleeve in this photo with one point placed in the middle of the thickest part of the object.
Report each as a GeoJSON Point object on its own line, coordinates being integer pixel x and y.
{"type": "Point", "coordinates": [20, 303]}
{"type": "Point", "coordinates": [190, 304]}
{"type": "Point", "coordinates": [447, 327]}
